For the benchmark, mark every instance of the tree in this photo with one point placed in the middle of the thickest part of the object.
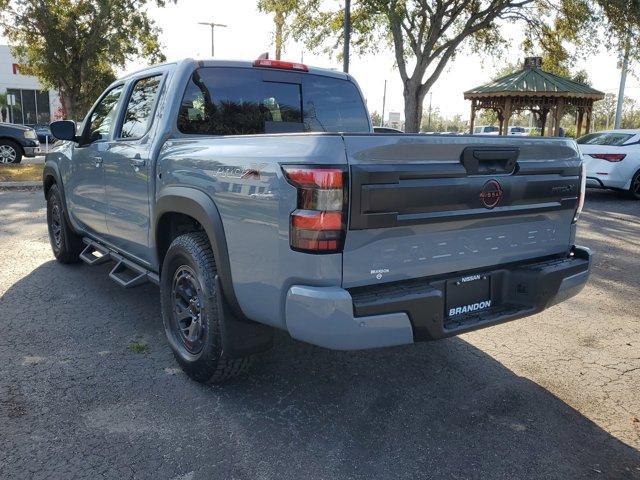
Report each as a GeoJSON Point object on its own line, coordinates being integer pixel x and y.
{"type": "Point", "coordinates": [281, 10]}
{"type": "Point", "coordinates": [376, 119]}
{"type": "Point", "coordinates": [4, 107]}
{"type": "Point", "coordinates": [426, 34]}
{"type": "Point", "coordinates": [74, 46]}
{"type": "Point", "coordinates": [604, 112]}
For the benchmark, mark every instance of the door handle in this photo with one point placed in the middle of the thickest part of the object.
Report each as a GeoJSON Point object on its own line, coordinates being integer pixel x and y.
{"type": "Point", "coordinates": [137, 163]}
{"type": "Point", "coordinates": [98, 161]}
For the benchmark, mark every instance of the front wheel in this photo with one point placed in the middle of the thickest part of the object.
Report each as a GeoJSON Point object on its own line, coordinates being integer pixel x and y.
{"type": "Point", "coordinates": [190, 310]}
{"type": "Point", "coordinates": [66, 245]}
{"type": "Point", "coordinates": [10, 152]}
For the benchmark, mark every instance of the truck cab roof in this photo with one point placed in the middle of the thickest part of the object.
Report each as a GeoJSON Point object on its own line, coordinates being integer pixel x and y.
{"type": "Point", "coordinates": [233, 63]}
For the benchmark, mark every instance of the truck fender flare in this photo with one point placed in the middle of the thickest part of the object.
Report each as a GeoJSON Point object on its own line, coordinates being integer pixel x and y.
{"type": "Point", "coordinates": [51, 173]}
{"type": "Point", "coordinates": [198, 205]}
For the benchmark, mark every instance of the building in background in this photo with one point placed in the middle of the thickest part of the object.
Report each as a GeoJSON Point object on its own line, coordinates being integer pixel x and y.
{"type": "Point", "coordinates": [33, 104]}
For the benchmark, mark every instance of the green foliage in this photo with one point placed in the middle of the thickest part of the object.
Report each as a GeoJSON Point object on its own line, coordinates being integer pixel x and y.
{"type": "Point", "coordinates": [426, 34]}
{"type": "Point", "coordinates": [440, 123]}
{"type": "Point", "coordinates": [376, 119]}
{"type": "Point", "coordinates": [139, 347]}
{"type": "Point", "coordinates": [74, 46]}
{"type": "Point", "coordinates": [282, 10]}
{"type": "Point", "coordinates": [605, 110]}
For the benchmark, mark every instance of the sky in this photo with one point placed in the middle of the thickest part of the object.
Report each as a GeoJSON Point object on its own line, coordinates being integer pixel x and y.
{"type": "Point", "coordinates": [250, 33]}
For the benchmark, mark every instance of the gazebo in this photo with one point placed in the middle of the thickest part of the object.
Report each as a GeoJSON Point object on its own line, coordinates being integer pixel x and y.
{"type": "Point", "coordinates": [535, 90]}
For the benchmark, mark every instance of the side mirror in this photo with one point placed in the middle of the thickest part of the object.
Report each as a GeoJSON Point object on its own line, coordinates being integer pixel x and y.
{"type": "Point", "coordinates": [64, 130]}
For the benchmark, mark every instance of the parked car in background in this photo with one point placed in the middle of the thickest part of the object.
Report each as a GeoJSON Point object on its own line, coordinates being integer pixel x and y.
{"type": "Point", "coordinates": [486, 130]}
{"type": "Point", "coordinates": [386, 130]}
{"type": "Point", "coordinates": [612, 160]}
{"type": "Point", "coordinates": [17, 141]}
{"type": "Point", "coordinates": [44, 133]}
{"type": "Point", "coordinates": [515, 130]}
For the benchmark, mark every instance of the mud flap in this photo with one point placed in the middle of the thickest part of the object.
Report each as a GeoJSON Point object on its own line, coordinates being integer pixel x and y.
{"type": "Point", "coordinates": [240, 337]}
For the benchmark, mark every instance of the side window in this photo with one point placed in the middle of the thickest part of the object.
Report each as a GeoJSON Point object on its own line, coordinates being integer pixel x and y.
{"type": "Point", "coordinates": [103, 117]}
{"type": "Point", "coordinates": [137, 116]}
{"type": "Point", "coordinates": [333, 105]}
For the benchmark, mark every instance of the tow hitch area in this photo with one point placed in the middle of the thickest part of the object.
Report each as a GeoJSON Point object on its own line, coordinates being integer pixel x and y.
{"type": "Point", "coordinates": [442, 307]}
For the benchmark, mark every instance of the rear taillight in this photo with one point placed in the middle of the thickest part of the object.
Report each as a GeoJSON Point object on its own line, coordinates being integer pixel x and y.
{"type": "Point", "coordinates": [609, 157]}
{"type": "Point", "coordinates": [583, 188]}
{"type": "Point", "coordinates": [318, 224]}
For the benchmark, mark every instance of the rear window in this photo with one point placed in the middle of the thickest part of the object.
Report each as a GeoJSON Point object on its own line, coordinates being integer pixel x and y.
{"type": "Point", "coordinates": [244, 101]}
{"type": "Point", "coordinates": [485, 129]}
{"type": "Point", "coordinates": [605, 138]}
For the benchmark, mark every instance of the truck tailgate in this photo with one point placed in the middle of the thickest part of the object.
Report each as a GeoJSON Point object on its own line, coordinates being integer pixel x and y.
{"type": "Point", "coordinates": [431, 205]}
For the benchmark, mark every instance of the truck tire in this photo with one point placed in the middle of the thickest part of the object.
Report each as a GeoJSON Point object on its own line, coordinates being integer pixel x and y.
{"type": "Point", "coordinates": [66, 245]}
{"type": "Point", "coordinates": [190, 310]}
{"type": "Point", "coordinates": [10, 152]}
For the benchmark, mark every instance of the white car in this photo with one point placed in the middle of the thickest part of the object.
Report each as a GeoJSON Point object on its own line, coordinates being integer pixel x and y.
{"type": "Point", "coordinates": [612, 159]}
{"type": "Point", "coordinates": [520, 131]}
{"type": "Point", "coordinates": [485, 130]}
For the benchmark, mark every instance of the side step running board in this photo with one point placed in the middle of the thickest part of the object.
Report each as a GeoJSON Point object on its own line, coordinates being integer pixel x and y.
{"type": "Point", "coordinates": [94, 253]}
{"type": "Point", "coordinates": [125, 273]}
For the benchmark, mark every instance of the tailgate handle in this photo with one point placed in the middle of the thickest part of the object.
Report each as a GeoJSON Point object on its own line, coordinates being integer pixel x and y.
{"type": "Point", "coordinates": [489, 160]}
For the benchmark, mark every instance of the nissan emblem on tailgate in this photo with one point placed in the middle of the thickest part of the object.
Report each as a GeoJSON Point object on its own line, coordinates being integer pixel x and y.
{"type": "Point", "coordinates": [491, 194]}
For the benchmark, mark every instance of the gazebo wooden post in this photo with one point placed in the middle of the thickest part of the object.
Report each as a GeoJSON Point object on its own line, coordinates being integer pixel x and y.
{"type": "Point", "coordinates": [588, 127]}
{"type": "Point", "coordinates": [472, 120]}
{"type": "Point", "coordinates": [506, 114]}
{"type": "Point", "coordinates": [580, 119]}
{"type": "Point", "coordinates": [543, 120]}
{"type": "Point", "coordinates": [500, 119]}
{"type": "Point", "coordinates": [558, 116]}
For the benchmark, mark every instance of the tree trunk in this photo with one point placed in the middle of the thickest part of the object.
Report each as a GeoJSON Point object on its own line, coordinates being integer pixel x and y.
{"type": "Point", "coordinates": [279, 21]}
{"type": "Point", "coordinates": [69, 104]}
{"type": "Point", "coordinates": [413, 99]}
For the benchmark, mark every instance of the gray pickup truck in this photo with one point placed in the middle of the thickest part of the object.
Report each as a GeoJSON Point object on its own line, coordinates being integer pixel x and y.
{"type": "Point", "coordinates": [256, 195]}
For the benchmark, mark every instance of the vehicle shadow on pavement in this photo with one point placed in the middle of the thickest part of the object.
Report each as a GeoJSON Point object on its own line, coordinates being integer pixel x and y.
{"type": "Point", "coordinates": [610, 229]}
{"type": "Point", "coordinates": [76, 400]}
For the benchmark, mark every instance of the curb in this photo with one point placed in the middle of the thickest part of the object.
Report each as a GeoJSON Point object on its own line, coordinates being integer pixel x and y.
{"type": "Point", "coordinates": [19, 185]}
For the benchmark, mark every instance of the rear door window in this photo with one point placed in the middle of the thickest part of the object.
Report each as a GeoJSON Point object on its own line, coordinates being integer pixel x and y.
{"type": "Point", "coordinates": [605, 138]}
{"type": "Point", "coordinates": [244, 101]}
{"type": "Point", "coordinates": [332, 105]}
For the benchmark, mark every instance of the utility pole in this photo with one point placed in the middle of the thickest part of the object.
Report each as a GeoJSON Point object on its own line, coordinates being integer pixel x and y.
{"type": "Point", "coordinates": [623, 79]}
{"type": "Point", "coordinates": [347, 35]}
{"type": "Point", "coordinates": [384, 102]}
{"type": "Point", "coordinates": [213, 26]}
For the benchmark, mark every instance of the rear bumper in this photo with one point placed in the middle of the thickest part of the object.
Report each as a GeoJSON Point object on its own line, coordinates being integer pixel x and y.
{"type": "Point", "coordinates": [404, 312]}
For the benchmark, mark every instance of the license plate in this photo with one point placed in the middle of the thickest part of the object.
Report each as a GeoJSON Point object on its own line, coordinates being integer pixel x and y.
{"type": "Point", "coordinates": [468, 295]}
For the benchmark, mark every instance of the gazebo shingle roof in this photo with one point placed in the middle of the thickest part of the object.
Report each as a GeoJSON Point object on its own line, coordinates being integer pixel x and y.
{"type": "Point", "coordinates": [534, 81]}
{"type": "Point", "coordinates": [532, 88]}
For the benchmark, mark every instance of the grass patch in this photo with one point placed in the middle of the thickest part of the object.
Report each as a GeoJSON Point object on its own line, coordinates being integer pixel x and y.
{"type": "Point", "coordinates": [139, 347]}
{"type": "Point", "coordinates": [20, 173]}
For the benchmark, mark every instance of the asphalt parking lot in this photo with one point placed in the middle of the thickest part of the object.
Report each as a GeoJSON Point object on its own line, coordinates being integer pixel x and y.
{"type": "Point", "coordinates": [89, 388]}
